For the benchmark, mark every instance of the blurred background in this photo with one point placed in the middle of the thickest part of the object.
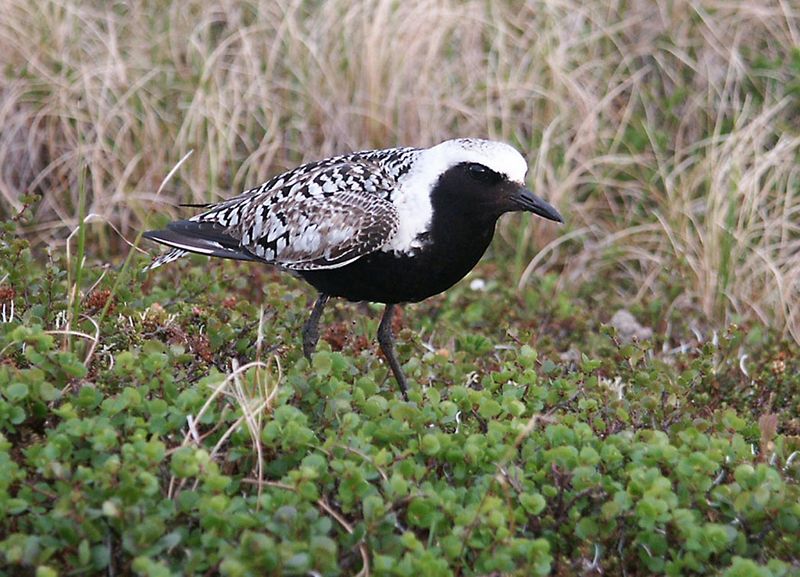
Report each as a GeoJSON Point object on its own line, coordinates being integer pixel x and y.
{"type": "Point", "coordinates": [666, 132]}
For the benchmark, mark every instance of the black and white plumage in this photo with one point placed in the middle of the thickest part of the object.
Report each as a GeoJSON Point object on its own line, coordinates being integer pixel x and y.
{"type": "Point", "coordinates": [392, 226]}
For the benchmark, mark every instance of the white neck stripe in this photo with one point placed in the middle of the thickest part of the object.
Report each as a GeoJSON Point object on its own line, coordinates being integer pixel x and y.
{"type": "Point", "coordinates": [413, 199]}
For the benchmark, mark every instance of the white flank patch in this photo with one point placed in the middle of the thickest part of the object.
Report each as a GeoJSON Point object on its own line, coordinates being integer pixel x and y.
{"type": "Point", "coordinates": [413, 197]}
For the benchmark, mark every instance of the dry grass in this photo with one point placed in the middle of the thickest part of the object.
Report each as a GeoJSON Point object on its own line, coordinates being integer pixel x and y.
{"type": "Point", "coordinates": [666, 131]}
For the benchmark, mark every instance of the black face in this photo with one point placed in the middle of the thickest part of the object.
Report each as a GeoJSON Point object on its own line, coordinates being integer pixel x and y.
{"type": "Point", "coordinates": [483, 174]}
{"type": "Point", "coordinates": [476, 189]}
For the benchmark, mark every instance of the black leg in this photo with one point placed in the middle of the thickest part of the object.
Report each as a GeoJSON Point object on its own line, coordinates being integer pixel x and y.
{"type": "Point", "coordinates": [386, 340]}
{"type": "Point", "coordinates": [311, 328]}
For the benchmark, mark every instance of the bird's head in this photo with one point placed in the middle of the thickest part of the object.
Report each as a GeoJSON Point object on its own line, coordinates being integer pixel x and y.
{"type": "Point", "coordinates": [481, 176]}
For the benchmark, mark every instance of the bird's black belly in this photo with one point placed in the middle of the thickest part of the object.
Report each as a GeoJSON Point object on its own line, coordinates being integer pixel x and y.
{"type": "Point", "coordinates": [387, 277]}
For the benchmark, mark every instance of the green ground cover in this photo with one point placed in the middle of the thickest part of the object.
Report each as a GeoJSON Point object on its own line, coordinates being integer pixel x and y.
{"type": "Point", "coordinates": [176, 429]}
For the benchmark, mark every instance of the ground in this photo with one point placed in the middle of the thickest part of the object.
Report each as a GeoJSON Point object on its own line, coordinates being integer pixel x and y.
{"type": "Point", "coordinates": [176, 427]}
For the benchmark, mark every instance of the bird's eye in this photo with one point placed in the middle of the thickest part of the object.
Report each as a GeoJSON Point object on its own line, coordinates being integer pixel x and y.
{"type": "Point", "coordinates": [483, 173]}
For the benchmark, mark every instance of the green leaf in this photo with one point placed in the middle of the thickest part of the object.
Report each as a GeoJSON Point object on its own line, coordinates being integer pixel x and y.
{"type": "Point", "coordinates": [430, 444]}
{"type": "Point", "coordinates": [16, 392]}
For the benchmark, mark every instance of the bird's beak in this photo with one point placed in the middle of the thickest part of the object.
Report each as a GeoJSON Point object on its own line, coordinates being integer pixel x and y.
{"type": "Point", "coordinates": [526, 200]}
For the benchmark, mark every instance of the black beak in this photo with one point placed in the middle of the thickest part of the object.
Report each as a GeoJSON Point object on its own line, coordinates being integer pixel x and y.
{"type": "Point", "coordinates": [526, 200]}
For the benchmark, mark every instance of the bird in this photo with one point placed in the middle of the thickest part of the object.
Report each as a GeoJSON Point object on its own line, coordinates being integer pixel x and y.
{"type": "Point", "coordinates": [391, 226]}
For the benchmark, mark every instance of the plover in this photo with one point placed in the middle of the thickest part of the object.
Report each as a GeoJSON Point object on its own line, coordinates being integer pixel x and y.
{"type": "Point", "coordinates": [391, 226]}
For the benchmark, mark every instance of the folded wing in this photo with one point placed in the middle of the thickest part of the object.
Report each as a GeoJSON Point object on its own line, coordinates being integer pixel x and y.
{"type": "Point", "coordinates": [324, 218]}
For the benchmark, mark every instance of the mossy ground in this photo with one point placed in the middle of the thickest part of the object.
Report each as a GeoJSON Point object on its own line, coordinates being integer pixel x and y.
{"type": "Point", "coordinates": [535, 440]}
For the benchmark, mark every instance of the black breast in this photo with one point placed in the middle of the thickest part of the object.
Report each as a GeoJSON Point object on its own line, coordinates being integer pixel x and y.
{"type": "Point", "coordinates": [452, 249]}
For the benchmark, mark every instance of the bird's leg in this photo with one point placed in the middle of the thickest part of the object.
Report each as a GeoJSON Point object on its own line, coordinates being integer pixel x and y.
{"type": "Point", "coordinates": [311, 327]}
{"type": "Point", "coordinates": [386, 340]}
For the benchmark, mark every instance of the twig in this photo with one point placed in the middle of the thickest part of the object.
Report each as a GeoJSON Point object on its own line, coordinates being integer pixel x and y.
{"type": "Point", "coordinates": [323, 504]}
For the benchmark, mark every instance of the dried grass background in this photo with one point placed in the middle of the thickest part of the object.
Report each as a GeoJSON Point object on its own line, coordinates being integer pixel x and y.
{"type": "Point", "coordinates": [667, 132]}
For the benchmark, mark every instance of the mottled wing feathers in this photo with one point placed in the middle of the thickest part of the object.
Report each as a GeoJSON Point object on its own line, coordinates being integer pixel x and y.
{"type": "Point", "coordinates": [327, 232]}
{"type": "Point", "coordinates": [320, 215]}
{"type": "Point", "coordinates": [332, 216]}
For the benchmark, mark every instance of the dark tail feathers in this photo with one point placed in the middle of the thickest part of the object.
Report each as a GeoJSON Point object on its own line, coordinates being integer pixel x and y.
{"type": "Point", "coordinates": [202, 238]}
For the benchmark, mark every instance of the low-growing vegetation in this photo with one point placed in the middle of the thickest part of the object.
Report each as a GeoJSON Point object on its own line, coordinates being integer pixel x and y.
{"type": "Point", "coordinates": [177, 429]}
